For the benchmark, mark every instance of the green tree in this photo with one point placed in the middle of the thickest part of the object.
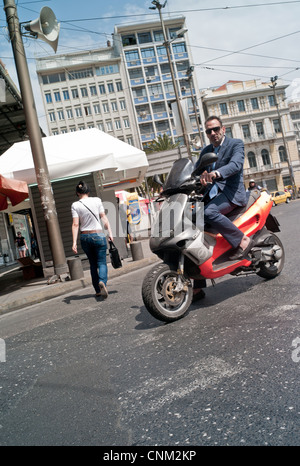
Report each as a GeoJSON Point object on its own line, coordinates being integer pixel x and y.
{"type": "Point", "coordinates": [160, 144]}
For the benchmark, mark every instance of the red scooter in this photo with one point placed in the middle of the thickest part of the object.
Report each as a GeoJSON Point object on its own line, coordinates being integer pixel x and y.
{"type": "Point", "coordinates": [190, 250]}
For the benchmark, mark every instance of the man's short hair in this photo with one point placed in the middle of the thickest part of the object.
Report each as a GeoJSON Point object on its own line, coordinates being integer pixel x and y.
{"type": "Point", "coordinates": [213, 117]}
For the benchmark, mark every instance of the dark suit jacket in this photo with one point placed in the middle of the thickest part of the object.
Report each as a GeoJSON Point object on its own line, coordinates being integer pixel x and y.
{"type": "Point", "coordinates": [230, 166]}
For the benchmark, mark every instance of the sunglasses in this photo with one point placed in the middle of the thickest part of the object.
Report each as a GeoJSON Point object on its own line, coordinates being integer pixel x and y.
{"type": "Point", "coordinates": [216, 129]}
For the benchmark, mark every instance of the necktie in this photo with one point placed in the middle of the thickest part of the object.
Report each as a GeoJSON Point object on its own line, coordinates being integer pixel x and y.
{"type": "Point", "coordinates": [214, 190]}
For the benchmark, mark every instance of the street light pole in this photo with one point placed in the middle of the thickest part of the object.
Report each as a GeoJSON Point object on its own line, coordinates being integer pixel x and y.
{"type": "Point", "coordinates": [274, 84]}
{"type": "Point", "coordinates": [159, 6]}
{"type": "Point", "coordinates": [190, 80]}
{"type": "Point", "coordinates": [37, 149]}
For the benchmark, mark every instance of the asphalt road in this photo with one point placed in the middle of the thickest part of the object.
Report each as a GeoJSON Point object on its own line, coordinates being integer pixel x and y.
{"type": "Point", "coordinates": [82, 372]}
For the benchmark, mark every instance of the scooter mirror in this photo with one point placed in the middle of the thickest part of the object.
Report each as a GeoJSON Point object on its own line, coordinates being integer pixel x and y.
{"type": "Point", "coordinates": [157, 180]}
{"type": "Point", "coordinates": [206, 159]}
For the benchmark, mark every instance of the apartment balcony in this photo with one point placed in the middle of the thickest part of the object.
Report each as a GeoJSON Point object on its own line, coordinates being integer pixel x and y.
{"type": "Point", "coordinates": [156, 97]}
{"type": "Point", "coordinates": [270, 169]}
{"type": "Point", "coordinates": [133, 63]}
{"type": "Point", "coordinates": [149, 60]}
{"type": "Point", "coordinates": [260, 138]}
{"type": "Point", "coordinates": [137, 81]}
{"type": "Point", "coordinates": [147, 137]}
{"type": "Point", "coordinates": [141, 100]}
{"type": "Point", "coordinates": [144, 118]}
{"type": "Point", "coordinates": [160, 115]}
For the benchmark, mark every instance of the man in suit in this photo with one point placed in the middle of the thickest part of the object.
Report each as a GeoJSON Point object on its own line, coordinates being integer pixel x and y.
{"type": "Point", "coordinates": [228, 192]}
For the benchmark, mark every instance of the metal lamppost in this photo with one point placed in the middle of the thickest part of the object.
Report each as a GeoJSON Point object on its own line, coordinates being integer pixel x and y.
{"type": "Point", "coordinates": [159, 6]}
{"type": "Point", "coordinates": [34, 133]}
{"type": "Point", "coordinates": [189, 73]}
{"type": "Point", "coordinates": [274, 84]}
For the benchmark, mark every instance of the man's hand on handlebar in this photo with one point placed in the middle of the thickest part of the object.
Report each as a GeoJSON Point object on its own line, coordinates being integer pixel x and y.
{"type": "Point", "coordinates": [206, 177]}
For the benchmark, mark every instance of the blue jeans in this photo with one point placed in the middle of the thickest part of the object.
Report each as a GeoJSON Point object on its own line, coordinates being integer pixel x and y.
{"type": "Point", "coordinates": [94, 246]}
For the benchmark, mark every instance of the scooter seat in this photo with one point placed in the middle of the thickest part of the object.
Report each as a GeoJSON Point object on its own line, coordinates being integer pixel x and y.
{"type": "Point", "coordinates": [252, 196]}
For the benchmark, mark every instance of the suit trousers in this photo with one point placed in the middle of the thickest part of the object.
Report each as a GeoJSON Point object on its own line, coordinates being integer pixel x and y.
{"type": "Point", "coordinates": [214, 214]}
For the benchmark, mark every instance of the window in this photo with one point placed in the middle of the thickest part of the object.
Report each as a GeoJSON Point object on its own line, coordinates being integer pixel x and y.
{"type": "Point", "coordinates": [161, 50]}
{"type": "Point", "coordinates": [271, 100]}
{"type": "Point", "coordinates": [110, 87]}
{"type": "Point", "coordinates": [130, 140]}
{"type": "Point", "coordinates": [132, 55]}
{"type": "Point", "coordinates": [126, 123]}
{"type": "Point", "coordinates": [69, 113]}
{"type": "Point", "coordinates": [254, 103]}
{"type": "Point", "coordinates": [93, 90]}
{"type": "Point", "coordinates": [114, 106]}
{"type": "Point", "coordinates": [277, 126]}
{"type": "Point", "coordinates": [105, 107]}
{"type": "Point", "coordinates": [119, 86]}
{"type": "Point", "coordinates": [265, 157]}
{"type": "Point", "coordinates": [57, 96]}
{"type": "Point", "coordinates": [260, 129]}
{"type": "Point", "coordinates": [173, 32]}
{"type": "Point", "coordinates": [246, 131]}
{"type": "Point", "coordinates": [78, 111]}
{"type": "Point", "coordinates": [84, 92]}
{"type": "Point", "coordinates": [223, 109]}
{"type": "Point", "coordinates": [165, 68]}
{"type": "Point", "coordinates": [144, 37]}
{"type": "Point", "coordinates": [149, 52]}
{"type": "Point", "coordinates": [109, 126]}
{"type": "Point", "coordinates": [252, 160]}
{"type": "Point", "coordinates": [66, 95]}
{"type": "Point", "coordinates": [139, 92]}
{"type": "Point", "coordinates": [87, 110]}
{"type": "Point", "coordinates": [169, 88]}
{"type": "Point", "coordinates": [52, 116]}
{"type": "Point", "coordinates": [241, 105]}
{"type": "Point", "coordinates": [75, 94]}
{"type": "Point", "coordinates": [109, 69]}
{"type": "Point", "coordinates": [97, 109]}
{"type": "Point", "coordinates": [155, 89]}
{"type": "Point", "coordinates": [158, 36]}
{"type": "Point", "coordinates": [122, 104]}
{"type": "Point", "coordinates": [128, 39]}
{"type": "Point", "coordinates": [48, 98]}
{"type": "Point", "coordinates": [118, 124]}
{"type": "Point", "coordinates": [100, 126]}
{"type": "Point", "coordinates": [179, 48]}
{"type": "Point", "coordinates": [53, 78]}
{"type": "Point", "coordinates": [282, 154]}
{"type": "Point", "coordinates": [228, 132]}
{"type": "Point", "coordinates": [60, 114]}
{"type": "Point", "coordinates": [102, 88]}
{"type": "Point", "coordinates": [80, 74]}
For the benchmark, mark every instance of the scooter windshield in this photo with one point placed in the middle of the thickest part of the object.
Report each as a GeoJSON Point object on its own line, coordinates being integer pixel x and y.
{"type": "Point", "coordinates": [180, 172]}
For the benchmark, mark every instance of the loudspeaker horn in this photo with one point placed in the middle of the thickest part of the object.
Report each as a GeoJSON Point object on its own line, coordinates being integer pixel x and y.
{"type": "Point", "coordinates": [45, 27]}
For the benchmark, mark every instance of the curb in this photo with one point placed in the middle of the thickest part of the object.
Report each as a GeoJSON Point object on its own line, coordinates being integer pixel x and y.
{"type": "Point", "coordinates": [58, 289]}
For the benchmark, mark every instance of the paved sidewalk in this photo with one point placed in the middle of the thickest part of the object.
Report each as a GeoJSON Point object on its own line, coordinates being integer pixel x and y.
{"type": "Point", "coordinates": [17, 293]}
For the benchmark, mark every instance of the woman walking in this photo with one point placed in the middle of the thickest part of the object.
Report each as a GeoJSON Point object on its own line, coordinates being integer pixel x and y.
{"type": "Point", "coordinates": [85, 214]}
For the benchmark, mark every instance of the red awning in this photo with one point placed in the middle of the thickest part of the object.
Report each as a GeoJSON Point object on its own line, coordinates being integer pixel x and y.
{"type": "Point", "coordinates": [14, 190]}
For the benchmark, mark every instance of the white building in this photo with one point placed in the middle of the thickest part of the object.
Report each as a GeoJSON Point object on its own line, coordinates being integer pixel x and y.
{"type": "Point", "coordinates": [143, 50]}
{"type": "Point", "coordinates": [294, 108]}
{"type": "Point", "coordinates": [87, 90]}
{"type": "Point", "coordinates": [248, 111]}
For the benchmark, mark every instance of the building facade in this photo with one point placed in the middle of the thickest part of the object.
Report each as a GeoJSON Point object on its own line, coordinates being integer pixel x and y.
{"type": "Point", "coordinates": [294, 108]}
{"type": "Point", "coordinates": [87, 90]}
{"type": "Point", "coordinates": [144, 53]}
{"type": "Point", "coordinates": [125, 89]}
{"type": "Point", "coordinates": [248, 110]}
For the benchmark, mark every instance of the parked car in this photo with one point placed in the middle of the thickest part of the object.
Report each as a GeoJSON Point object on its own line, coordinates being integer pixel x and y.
{"type": "Point", "coordinates": [278, 197]}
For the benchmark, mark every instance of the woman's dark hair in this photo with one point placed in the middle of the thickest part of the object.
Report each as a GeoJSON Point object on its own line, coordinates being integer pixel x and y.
{"type": "Point", "coordinates": [82, 188]}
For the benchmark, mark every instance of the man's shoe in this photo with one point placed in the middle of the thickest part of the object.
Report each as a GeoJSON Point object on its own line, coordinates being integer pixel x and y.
{"type": "Point", "coordinates": [198, 296]}
{"type": "Point", "coordinates": [239, 253]}
{"type": "Point", "coordinates": [103, 290]}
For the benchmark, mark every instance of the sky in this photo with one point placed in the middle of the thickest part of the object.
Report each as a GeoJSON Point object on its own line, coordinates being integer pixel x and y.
{"type": "Point", "coordinates": [229, 39]}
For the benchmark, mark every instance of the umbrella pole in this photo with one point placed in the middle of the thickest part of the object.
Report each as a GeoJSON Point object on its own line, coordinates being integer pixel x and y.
{"type": "Point", "coordinates": [37, 148]}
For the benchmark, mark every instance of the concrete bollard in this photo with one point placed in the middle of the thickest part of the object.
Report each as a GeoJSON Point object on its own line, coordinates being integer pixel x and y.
{"type": "Point", "coordinates": [136, 251]}
{"type": "Point", "coordinates": [75, 268]}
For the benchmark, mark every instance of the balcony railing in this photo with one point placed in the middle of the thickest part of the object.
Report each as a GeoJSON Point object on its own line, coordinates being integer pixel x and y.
{"type": "Point", "coordinates": [263, 168]}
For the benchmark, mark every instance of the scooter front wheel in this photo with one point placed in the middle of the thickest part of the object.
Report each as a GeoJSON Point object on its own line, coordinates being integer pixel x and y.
{"type": "Point", "coordinates": [165, 296]}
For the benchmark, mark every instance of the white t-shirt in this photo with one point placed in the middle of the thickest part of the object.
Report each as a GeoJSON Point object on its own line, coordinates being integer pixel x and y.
{"type": "Point", "coordinates": [86, 218]}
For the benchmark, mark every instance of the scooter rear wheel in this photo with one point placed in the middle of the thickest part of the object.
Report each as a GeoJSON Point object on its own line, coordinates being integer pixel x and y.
{"type": "Point", "coordinates": [160, 296]}
{"type": "Point", "coordinates": [273, 267]}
